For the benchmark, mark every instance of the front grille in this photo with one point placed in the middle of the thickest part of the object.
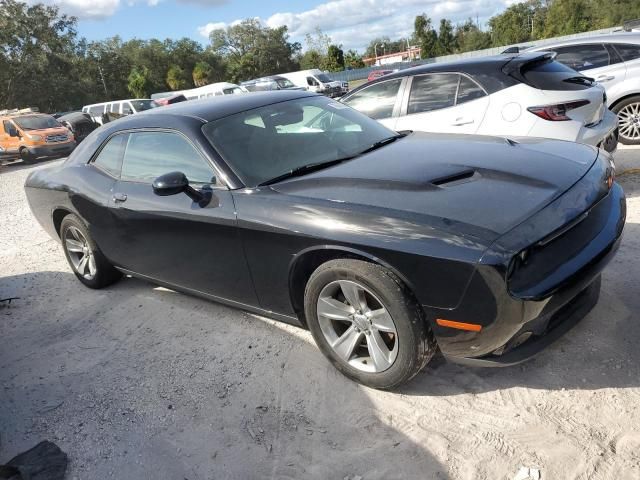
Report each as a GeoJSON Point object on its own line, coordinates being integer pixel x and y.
{"type": "Point", "coordinates": [56, 138]}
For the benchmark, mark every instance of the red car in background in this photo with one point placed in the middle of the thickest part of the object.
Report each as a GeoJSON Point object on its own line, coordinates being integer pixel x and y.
{"type": "Point", "coordinates": [377, 74]}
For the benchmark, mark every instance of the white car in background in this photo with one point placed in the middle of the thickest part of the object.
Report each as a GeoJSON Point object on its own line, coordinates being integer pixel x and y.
{"type": "Point", "coordinates": [526, 94]}
{"type": "Point", "coordinates": [614, 61]}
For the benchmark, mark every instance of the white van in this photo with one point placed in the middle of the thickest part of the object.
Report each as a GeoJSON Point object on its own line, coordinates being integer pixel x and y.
{"type": "Point", "coordinates": [211, 90]}
{"type": "Point", "coordinates": [122, 107]}
{"type": "Point", "coordinates": [315, 81]}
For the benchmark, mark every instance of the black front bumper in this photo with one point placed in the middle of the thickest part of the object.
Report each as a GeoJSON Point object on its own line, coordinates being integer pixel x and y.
{"type": "Point", "coordinates": [518, 323]}
{"type": "Point", "coordinates": [53, 150]}
{"type": "Point", "coordinates": [541, 332]}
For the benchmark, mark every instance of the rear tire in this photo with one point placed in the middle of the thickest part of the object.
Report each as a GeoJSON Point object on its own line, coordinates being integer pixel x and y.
{"type": "Point", "coordinates": [84, 257]}
{"type": "Point", "coordinates": [628, 112]}
{"type": "Point", "coordinates": [26, 156]}
{"type": "Point", "coordinates": [381, 342]}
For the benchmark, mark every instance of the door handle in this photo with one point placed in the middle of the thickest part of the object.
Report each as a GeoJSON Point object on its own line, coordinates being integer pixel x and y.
{"type": "Point", "coordinates": [605, 78]}
{"type": "Point", "coordinates": [119, 197]}
{"type": "Point", "coordinates": [462, 121]}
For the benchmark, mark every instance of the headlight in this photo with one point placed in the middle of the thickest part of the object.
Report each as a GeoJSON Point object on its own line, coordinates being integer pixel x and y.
{"type": "Point", "coordinates": [37, 138]}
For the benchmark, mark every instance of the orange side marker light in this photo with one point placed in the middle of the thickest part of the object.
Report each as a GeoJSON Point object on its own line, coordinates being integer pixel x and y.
{"type": "Point", "coordinates": [471, 327]}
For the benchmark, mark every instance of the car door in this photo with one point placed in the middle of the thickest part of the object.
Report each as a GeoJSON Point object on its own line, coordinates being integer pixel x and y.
{"type": "Point", "coordinates": [380, 101]}
{"type": "Point", "coordinates": [7, 142]}
{"type": "Point", "coordinates": [172, 238]}
{"type": "Point", "coordinates": [596, 60]}
{"type": "Point", "coordinates": [443, 102]}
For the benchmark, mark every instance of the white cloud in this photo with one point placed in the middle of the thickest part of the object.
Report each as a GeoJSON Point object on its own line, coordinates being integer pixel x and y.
{"type": "Point", "coordinates": [206, 30]}
{"type": "Point", "coordinates": [84, 9]}
{"type": "Point", "coordinates": [353, 23]}
{"type": "Point", "coordinates": [97, 9]}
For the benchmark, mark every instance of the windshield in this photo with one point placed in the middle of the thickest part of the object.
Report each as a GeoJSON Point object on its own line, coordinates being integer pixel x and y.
{"type": "Point", "coordinates": [36, 122]}
{"type": "Point", "coordinates": [266, 142]}
{"type": "Point", "coordinates": [142, 105]}
{"type": "Point", "coordinates": [324, 78]}
{"type": "Point", "coordinates": [284, 83]}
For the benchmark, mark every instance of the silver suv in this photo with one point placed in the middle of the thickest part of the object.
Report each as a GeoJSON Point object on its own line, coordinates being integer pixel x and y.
{"type": "Point", "coordinates": [614, 61]}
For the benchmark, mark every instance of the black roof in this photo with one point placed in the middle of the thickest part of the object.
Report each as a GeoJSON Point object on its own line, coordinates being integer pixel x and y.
{"type": "Point", "coordinates": [214, 108]}
{"type": "Point", "coordinates": [486, 70]}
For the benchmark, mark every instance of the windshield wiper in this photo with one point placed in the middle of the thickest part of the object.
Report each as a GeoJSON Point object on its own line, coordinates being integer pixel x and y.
{"type": "Point", "coordinates": [296, 172]}
{"type": "Point", "coordinates": [312, 167]}
{"type": "Point", "coordinates": [382, 143]}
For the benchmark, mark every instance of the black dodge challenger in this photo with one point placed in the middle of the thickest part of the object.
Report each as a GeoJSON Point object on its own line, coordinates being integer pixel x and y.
{"type": "Point", "coordinates": [385, 245]}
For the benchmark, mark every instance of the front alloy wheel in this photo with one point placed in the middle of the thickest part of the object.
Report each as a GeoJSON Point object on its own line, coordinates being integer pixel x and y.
{"type": "Point", "coordinates": [357, 326]}
{"type": "Point", "coordinates": [367, 323]}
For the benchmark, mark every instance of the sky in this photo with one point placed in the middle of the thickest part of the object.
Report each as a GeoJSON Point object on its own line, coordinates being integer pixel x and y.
{"type": "Point", "coordinates": [351, 23]}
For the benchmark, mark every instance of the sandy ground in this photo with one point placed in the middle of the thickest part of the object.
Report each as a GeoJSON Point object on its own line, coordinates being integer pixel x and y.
{"type": "Point", "coordinates": [139, 382]}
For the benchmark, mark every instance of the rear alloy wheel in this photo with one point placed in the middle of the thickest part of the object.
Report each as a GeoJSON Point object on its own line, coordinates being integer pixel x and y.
{"type": "Point", "coordinates": [83, 255]}
{"type": "Point", "coordinates": [367, 323]}
{"type": "Point", "coordinates": [629, 120]}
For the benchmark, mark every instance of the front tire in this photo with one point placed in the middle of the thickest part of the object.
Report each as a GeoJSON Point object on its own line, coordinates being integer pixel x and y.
{"type": "Point", "coordinates": [26, 156]}
{"type": "Point", "coordinates": [628, 112]}
{"type": "Point", "coordinates": [83, 255]}
{"type": "Point", "coordinates": [367, 323]}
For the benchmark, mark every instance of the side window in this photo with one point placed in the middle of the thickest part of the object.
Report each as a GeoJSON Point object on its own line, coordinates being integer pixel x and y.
{"type": "Point", "coordinates": [376, 101]}
{"type": "Point", "coordinates": [583, 57]}
{"type": "Point", "coordinates": [7, 126]}
{"type": "Point", "coordinates": [151, 154]}
{"type": "Point", "coordinates": [126, 108]}
{"type": "Point", "coordinates": [97, 110]}
{"type": "Point", "coordinates": [110, 157]}
{"type": "Point", "coordinates": [628, 52]}
{"type": "Point", "coordinates": [468, 90]}
{"type": "Point", "coordinates": [432, 92]}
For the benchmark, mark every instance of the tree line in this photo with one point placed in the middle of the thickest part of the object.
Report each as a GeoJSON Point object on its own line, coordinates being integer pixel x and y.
{"type": "Point", "coordinates": [46, 64]}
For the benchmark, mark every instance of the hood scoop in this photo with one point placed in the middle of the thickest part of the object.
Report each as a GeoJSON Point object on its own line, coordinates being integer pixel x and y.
{"type": "Point", "coordinates": [455, 178]}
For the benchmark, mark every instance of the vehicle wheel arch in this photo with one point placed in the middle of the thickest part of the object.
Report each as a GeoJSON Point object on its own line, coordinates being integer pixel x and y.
{"type": "Point", "coordinates": [623, 98]}
{"type": "Point", "coordinates": [57, 215]}
{"type": "Point", "coordinates": [308, 260]}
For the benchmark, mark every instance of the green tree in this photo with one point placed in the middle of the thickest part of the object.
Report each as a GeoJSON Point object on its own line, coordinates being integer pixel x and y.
{"type": "Point", "coordinates": [138, 82]}
{"type": "Point", "coordinates": [384, 45]}
{"type": "Point", "coordinates": [446, 40]}
{"type": "Point", "coordinates": [565, 17]}
{"type": "Point", "coordinates": [353, 59]}
{"type": "Point", "coordinates": [176, 78]}
{"type": "Point", "coordinates": [39, 57]}
{"type": "Point", "coordinates": [251, 50]}
{"type": "Point", "coordinates": [311, 59]}
{"type": "Point", "coordinates": [520, 22]}
{"type": "Point", "coordinates": [425, 36]}
{"type": "Point", "coordinates": [470, 37]}
{"type": "Point", "coordinates": [335, 59]}
{"type": "Point", "coordinates": [201, 74]}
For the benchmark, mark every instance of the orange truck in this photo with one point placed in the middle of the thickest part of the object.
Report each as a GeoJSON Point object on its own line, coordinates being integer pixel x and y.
{"type": "Point", "coordinates": [30, 135]}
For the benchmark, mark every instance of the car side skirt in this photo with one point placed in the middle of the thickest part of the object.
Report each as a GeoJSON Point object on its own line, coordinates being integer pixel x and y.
{"type": "Point", "coordinates": [207, 296]}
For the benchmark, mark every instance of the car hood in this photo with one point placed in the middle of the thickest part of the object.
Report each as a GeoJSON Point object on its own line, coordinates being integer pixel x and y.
{"type": "Point", "coordinates": [487, 185]}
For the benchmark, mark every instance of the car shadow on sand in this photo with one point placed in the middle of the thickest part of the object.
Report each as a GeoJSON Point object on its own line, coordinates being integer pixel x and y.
{"type": "Point", "coordinates": [136, 381]}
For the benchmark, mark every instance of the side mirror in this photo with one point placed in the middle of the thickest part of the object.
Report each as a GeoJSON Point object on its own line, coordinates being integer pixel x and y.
{"type": "Point", "coordinates": [170, 184]}
{"type": "Point", "coordinates": [176, 182]}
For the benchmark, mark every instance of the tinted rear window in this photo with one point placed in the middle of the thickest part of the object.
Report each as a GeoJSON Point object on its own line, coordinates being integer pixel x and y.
{"type": "Point", "coordinates": [628, 52]}
{"type": "Point", "coordinates": [552, 75]}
